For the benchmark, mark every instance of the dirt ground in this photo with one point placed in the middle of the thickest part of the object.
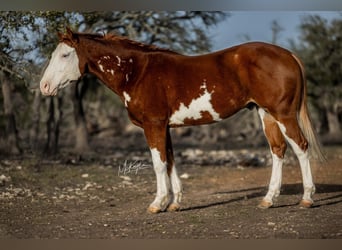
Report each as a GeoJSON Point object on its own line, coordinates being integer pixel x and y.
{"type": "Point", "coordinates": [106, 197]}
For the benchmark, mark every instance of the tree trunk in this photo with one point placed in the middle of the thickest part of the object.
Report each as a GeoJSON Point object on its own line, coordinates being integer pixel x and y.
{"type": "Point", "coordinates": [11, 133]}
{"type": "Point", "coordinates": [52, 124]}
{"type": "Point", "coordinates": [81, 132]}
{"type": "Point", "coordinates": [333, 123]}
{"type": "Point", "coordinates": [34, 133]}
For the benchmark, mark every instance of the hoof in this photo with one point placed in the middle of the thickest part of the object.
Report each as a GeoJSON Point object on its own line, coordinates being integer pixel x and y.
{"type": "Point", "coordinates": [264, 204]}
{"type": "Point", "coordinates": [154, 210]}
{"type": "Point", "coordinates": [173, 207]}
{"type": "Point", "coordinates": [306, 203]}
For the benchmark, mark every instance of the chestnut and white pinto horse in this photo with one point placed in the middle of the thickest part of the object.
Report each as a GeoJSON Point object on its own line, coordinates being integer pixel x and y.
{"type": "Point", "coordinates": [162, 89]}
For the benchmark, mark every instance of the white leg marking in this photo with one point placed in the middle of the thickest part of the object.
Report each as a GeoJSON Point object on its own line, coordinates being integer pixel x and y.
{"type": "Point", "coordinates": [277, 165]}
{"type": "Point", "coordinates": [176, 186]}
{"type": "Point", "coordinates": [309, 187]}
{"type": "Point", "coordinates": [276, 177]}
{"type": "Point", "coordinates": [163, 182]}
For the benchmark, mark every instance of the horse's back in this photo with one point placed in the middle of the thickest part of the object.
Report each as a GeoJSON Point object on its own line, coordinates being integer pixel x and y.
{"type": "Point", "coordinates": [194, 90]}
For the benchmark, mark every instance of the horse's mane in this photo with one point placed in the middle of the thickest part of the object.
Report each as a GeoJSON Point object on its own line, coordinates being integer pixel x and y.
{"type": "Point", "coordinates": [109, 37]}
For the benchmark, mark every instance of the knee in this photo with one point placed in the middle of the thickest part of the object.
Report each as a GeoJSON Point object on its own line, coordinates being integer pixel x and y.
{"type": "Point", "coordinates": [160, 168]}
{"type": "Point", "coordinates": [279, 150]}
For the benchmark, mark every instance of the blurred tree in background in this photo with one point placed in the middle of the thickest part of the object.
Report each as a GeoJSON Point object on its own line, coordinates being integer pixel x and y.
{"type": "Point", "coordinates": [181, 31]}
{"type": "Point", "coordinates": [14, 44]}
{"type": "Point", "coordinates": [320, 48]}
{"type": "Point", "coordinates": [88, 111]}
{"type": "Point", "coordinates": [28, 38]}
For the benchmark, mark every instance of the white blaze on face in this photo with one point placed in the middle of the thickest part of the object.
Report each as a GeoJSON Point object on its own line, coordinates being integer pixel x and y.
{"type": "Point", "coordinates": [63, 68]}
{"type": "Point", "coordinates": [195, 109]}
{"type": "Point", "coordinates": [127, 98]}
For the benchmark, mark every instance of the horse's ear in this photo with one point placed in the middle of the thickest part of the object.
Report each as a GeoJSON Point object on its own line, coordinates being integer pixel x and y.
{"type": "Point", "coordinates": [69, 36]}
{"type": "Point", "coordinates": [69, 32]}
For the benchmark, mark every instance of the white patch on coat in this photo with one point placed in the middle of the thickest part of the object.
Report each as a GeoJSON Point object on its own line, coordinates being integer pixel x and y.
{"type": "Point", "coordinates": [63, 68]}
{"type": "Point", "coordinates": [119, 60]}
{"type": "Point", "coordinates": [111, 71]}
{"type": "Point", "coordinates": [101, 67]}
{"type": "Point", "coordinates": [195, 109]}
{"type": "Point", "coordinates": [127, 98]}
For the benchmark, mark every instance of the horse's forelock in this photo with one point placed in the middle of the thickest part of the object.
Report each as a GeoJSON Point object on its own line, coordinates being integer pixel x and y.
{"type": "Point", "coordinates": [70, 39]}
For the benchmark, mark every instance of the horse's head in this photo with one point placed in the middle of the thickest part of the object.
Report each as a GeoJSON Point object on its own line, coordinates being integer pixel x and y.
{"type": "Point", "coordinates": [64, 66]}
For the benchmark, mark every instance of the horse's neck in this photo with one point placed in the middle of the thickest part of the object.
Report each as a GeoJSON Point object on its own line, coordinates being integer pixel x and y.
{"type": "Point", "coordinates": [113, 67]}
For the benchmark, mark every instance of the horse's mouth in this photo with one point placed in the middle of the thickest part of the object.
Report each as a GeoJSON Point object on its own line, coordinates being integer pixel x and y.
{"type": "Point", "coordinates": [62, 85]}
{"type": "Point", "coordinates": [54, 91]}
{"type": "Point", "coordinates": [50, 93]}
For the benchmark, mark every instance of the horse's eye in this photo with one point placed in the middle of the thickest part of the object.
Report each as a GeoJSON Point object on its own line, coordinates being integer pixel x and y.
{"type": "Point", "coordinates": [65, 55]}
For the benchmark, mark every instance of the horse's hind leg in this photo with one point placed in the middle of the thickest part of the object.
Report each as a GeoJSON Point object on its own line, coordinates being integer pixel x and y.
{"type": "Point", "coordinates": [277, 145]}
{"type": "Point", "coordinates": [290, 128]}
{"type": "Point", "coordinates": [176, 185]}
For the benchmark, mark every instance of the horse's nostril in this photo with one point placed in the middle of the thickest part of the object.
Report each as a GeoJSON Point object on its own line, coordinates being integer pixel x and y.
{"type": "Point", "coordinates": [44, 87]}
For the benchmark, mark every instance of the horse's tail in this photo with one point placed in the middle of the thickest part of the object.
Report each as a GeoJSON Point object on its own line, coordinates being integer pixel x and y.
{"type": "Point", "coordinates": [305, 120]}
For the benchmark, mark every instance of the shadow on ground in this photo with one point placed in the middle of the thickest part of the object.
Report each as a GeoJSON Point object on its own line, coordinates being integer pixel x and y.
{"type": "Point", "coordinates": [287, 189]}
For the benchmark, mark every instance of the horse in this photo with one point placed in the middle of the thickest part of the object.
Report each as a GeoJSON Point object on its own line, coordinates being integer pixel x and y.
{"type": "Point", "coordinates": [162, 89]}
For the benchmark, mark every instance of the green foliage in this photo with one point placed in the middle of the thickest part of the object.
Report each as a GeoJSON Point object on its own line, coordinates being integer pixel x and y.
{"type": "Point", "coordinates": [321, 51]}
{"type": "Point", "coordinates": [13, 40]}
{"type": "Point", "coordinates": [182, 31]}
{"type": "Point", "coordinates": [29, 37]}
{"type": "Point", "coordinates": [49, 24]}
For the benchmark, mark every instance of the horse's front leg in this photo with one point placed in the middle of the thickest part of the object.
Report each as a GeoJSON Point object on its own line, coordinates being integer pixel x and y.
{"type": "Point", "coordinates": [156, 136]}
{"type": "Point", "coordinates": [162, 198]}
